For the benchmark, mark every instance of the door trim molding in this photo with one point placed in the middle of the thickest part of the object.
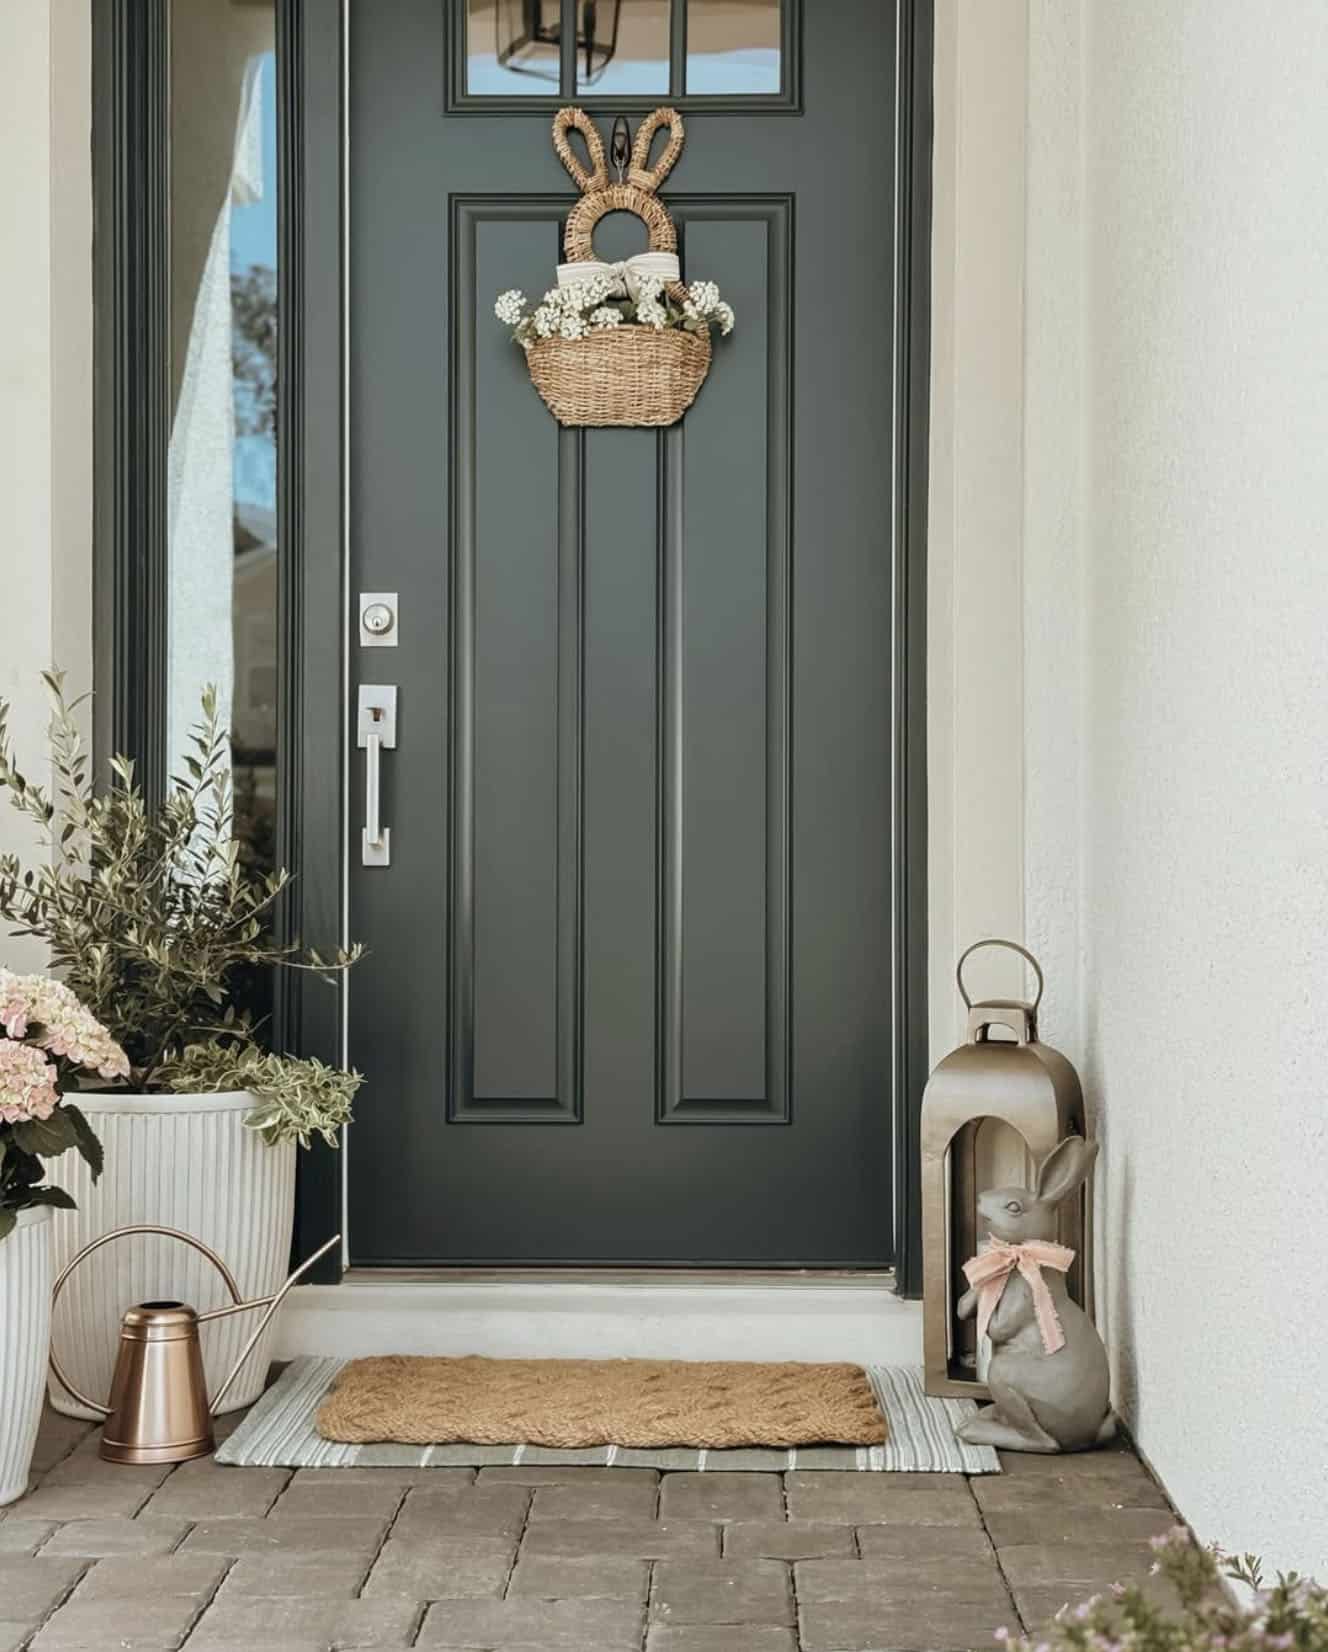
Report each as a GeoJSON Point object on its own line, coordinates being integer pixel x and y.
{"type": "Point", "coordinates": [131, 381]}
{"type": "Point", "coordinates": [913, 194]}
{"type": "Point", "coordinates": [131, 400]}
{"type": "Point", "coordinates": [313, 525]}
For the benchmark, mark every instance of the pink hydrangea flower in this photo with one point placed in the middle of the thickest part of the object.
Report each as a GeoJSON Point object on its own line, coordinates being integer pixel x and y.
{"type": "Point", "coordinates": [51, 1017]}
{"type": "Point", "coordinates": [27, 1083]}
{"type": "Point", "coordinates": [14, 1017]}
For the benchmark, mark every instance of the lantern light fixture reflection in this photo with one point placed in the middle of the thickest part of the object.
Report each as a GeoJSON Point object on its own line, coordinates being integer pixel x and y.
{"type": "Point", "coordinates": [524, 26]}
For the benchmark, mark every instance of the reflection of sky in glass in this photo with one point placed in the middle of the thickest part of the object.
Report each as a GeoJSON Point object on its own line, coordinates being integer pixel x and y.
{"type": "Point", "coordinates": [738, 73]}
{"type": "Point", "coordinates": [254, 241]}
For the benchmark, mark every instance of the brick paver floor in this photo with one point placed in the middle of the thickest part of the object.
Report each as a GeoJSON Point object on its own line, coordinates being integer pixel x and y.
{"type": "Point", "coordinates": [98, 1558]}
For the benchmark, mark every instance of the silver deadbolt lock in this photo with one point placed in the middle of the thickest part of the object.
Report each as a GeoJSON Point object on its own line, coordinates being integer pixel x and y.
{"type": "Point", "coordinates": [378, 619]}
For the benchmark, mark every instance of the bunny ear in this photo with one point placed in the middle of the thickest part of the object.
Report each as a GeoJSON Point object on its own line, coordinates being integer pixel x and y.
{"type": "Point", "coordinates": [1068, 1164]}
{"type": "Point", "coordinates": [598, 177]}
{"type": "Point", "coordinates": [643, 175]}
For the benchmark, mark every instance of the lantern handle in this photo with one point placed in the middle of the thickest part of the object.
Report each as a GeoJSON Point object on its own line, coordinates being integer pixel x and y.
{"type": "Point", "coordinates": [1014, 946]}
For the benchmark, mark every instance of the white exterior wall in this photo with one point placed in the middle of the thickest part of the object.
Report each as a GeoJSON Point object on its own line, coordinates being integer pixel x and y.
{"type": "Point", "coordinates": [1169, 860]}
{"type": "Point", "coordinates": [45, 370]}
{"type": "Point", "coordinates": [1207, 918]}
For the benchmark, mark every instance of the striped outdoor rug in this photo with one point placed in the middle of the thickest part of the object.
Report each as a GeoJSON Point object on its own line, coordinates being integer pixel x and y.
{"type": "Point", "coordinates": [279, 1433]}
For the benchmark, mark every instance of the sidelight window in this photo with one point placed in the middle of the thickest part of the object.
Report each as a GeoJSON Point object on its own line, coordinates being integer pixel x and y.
{"type": "Point", "coordinates": [222, 543]}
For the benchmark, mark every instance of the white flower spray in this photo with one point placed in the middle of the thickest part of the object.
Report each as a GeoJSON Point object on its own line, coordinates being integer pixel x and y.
{"type": "Point", "coordinates": [597, 303]}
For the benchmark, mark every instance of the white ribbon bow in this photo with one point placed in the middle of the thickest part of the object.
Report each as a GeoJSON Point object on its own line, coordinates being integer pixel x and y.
{"type": "Point", "coordinates": [626, 275]}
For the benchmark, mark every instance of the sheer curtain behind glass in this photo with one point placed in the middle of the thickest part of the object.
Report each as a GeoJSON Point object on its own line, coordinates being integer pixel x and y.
{"type": "Point", "coordinates": [222, 462]}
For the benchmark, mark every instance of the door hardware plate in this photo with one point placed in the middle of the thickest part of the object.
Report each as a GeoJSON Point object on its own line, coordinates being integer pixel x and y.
{"type": "Point", "coordinates": [379, 619]}
{"type": "Point", "coordinates": [377, 715]}
{"type": "Point", "coordinates": [376, 854]}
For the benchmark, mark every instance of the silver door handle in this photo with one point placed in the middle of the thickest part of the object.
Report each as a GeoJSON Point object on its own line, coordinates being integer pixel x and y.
{"type": "Point", "coordinates": [373, 769]}
{"type": "Point", "coordinates": [376, 732]}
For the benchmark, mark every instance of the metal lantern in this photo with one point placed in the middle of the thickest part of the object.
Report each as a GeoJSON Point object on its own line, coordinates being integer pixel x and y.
{"type": "Point", "coordinates": [1032, 1089]}
{"type": "Point", "coordinates": [523, 24]}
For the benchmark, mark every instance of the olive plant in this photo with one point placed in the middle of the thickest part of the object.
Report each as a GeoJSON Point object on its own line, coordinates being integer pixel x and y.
{"type": "Point", "coordinates": [150, 915]}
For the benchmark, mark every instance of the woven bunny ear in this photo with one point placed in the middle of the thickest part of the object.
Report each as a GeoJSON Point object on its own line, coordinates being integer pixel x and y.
{"type": "Point", "coordinates": [563, 122]}
{"type": "Point", "coordinates": [642, 174]}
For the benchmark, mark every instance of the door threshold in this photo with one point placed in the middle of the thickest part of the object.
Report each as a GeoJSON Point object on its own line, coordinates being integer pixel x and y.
{"type": "Point", "coordinates": [646, 1277]}
{"type": "Point", "coordinates": [591, 1313]}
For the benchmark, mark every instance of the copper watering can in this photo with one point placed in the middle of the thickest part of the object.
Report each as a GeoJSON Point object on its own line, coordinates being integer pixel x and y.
{"type": "Point", "coordinates": [159, 1411]}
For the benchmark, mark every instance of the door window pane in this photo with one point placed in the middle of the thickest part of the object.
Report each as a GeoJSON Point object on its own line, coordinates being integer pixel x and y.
{"type": "Point", "coordinates": [512, 47]}
{"type": "Point", "coordinates": [733, 47]}
{"type": "Point", "coordinates": [623, 46]}
{"type": "Point", "coordinates": [222, 462]}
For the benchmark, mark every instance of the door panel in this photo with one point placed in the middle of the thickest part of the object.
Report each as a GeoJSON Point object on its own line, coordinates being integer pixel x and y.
{"type": "Point", "coordinates": [641, 800]}
{"type": "Point", "coordinates": [516, 641]}
{"type": "Point", "coordinates": [724, 794]}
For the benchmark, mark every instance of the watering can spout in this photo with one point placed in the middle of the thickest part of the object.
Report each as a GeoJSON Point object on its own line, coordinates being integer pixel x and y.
{"type": "Point", "coordinates": [158, 1410]}
{"type": "Point", "coordinates": [271, 1303]}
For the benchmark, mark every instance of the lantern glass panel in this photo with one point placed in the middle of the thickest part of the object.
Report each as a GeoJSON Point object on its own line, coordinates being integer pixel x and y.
{"type": "Point", "coordinates": [623, 46]}
{"type": "Point", "coordinates": [512, 47]}
{"type": "Point", "coordinates": [985, 1153]}
{"type": "Point", "coordinates": [733, 47]}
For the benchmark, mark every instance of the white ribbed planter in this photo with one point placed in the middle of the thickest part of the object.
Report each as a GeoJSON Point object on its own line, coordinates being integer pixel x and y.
{"type": "Point", "coordinates": [25, 1340]}
{"type": "Point", "coordinates": [184, 1162]}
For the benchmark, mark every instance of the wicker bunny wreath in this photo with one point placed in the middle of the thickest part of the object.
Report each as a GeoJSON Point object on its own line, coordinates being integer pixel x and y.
{"type": "Point", "coordinates": [624, 343]}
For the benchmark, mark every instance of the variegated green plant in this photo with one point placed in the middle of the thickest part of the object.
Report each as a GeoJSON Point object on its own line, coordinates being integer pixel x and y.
{"type": "Point", "coordinates": [296, 1098]}
{"type": "Point", "coordinates": [149, 914]}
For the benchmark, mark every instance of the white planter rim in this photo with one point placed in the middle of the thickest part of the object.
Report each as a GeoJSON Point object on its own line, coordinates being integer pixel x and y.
{"type": "Point", "coordinates": [125, 1101]}
{"type": "Point", "coordinates": [30, 1217]}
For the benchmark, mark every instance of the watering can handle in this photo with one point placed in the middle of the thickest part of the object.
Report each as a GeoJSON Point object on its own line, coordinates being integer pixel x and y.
{"type": "Point", "coordinates": [237, 1302]}
{"type": "Point", "coordinates": [105, 1239]}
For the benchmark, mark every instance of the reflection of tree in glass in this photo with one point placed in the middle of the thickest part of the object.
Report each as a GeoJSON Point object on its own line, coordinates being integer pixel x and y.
{"type": "Point", "coordinates": [254, 827]}
{"type": "Point", "coordinates": [254, 398]}
{"type": "Point", "coordinates": [254, 349]}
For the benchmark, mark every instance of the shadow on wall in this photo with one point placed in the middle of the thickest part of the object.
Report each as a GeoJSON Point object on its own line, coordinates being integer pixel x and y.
{"type": "Point", "coordinates": [1120, 1321]}
{"type": "Point", "coordinates": [1113, 1203]}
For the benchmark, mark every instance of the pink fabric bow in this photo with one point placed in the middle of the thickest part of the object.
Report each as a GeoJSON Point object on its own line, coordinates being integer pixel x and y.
{"type": "Point", "coordinates": [989, 1273]}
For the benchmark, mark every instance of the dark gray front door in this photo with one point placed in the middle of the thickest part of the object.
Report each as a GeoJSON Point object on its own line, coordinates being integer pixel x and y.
{"type": "Point", "coordinates": [628, 992]}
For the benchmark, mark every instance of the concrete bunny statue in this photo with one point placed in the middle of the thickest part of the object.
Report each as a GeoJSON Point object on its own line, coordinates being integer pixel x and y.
{"type": "Point", "coordinates": [1048, 1376]}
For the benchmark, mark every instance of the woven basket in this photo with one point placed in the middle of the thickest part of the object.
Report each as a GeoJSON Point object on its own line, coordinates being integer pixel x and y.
{"type": "Point", "coordinates": [621, 376]}
{"type": "Point", "coordinates": [627, 375]}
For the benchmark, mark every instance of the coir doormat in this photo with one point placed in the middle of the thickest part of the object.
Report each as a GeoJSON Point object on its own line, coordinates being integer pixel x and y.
{"type": "Point", "coordinates": [282, 1429]}
{"type": "Point", "coordinates": [573, 1403]}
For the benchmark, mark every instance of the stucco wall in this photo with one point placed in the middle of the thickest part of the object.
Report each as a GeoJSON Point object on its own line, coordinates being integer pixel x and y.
{"type": "Point", "coordinates": [45, 367]}
{"type": "Point", "coordinates": [1206, 926]}
{"type": "Point", "coordinates": [1172, 836]}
